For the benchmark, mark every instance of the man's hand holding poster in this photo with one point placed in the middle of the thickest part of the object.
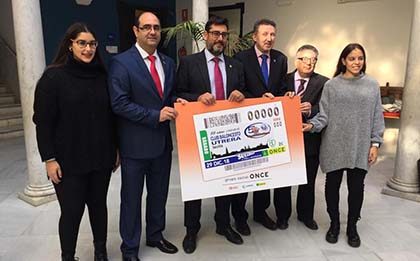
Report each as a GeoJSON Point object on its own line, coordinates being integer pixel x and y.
{"type": "Point", "coordinates": [230, 148]}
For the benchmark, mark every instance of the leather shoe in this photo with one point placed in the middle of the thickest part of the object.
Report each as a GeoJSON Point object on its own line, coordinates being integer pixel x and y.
{"type": "Point", "coordinates": [282, 224]}
{"type": "Point", "coordinates": [131, 258]}
{"type": "Point", "coordinates": [189, 244]}
{"type": "Point", "coordinates": [309, 223]}
{"type": "Point", "coordinates": [266, 221]}
{"type": "Point", "coordinates": [243, 228]}
{"type": "Point", "coordinates": [163, 245]}
{"type": "Point", "coordinates": [230, 235]}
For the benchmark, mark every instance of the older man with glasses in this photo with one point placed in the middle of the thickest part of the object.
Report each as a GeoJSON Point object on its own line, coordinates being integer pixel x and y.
{"type": "Point", "coordinates": [307, 84]}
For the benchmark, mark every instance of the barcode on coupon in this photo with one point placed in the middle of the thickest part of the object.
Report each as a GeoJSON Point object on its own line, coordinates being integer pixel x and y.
{"type": "Point", "coordinates": [245, 164]}
{"type": "Point", "coordinates": [222, 120]}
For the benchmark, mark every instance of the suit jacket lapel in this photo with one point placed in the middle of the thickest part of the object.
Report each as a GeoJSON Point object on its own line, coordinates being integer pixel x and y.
{"type": "Point", "coordinates": [166, 70]}
{"type": "Point", "coordinates": [256, 64]}
{"type": "Point", "coordinates": [144, 70]}
{"type": "Point", "coordinates": [229, 72]}
{"type": "Point", "coordinates": [291, 81]}
{"type": "Point", "coordinates": [311, 87]}
{"type": "Point", "coordinates": [202, 66]}
{"type": "Point", "coordinates": [274, 67]}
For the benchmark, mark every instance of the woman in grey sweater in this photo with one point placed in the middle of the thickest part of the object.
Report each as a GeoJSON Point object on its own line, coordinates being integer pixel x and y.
{"type": "Point", "coordinates": [352, 122]}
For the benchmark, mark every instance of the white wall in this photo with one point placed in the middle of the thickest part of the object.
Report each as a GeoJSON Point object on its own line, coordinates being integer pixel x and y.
{"type": "Point", "coordinates": [381, 26]}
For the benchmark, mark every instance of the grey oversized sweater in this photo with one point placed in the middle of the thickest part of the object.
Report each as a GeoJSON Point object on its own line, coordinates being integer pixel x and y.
{"type": "Point", "coordinates": [351, 116]}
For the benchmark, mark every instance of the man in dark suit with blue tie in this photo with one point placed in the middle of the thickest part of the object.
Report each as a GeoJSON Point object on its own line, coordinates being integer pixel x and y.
{"type": "Point", "coordinates": [206, 77]}
{"type": "Point", "coordinates": [307, 84]}
{"type": "Point", "coordinates": [141, 89]}
{"type": "Point", "coordinates": [265, 76]}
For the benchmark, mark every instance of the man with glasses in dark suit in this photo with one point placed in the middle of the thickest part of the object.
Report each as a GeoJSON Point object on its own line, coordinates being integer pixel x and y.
{"type": "Point", "coordinates": [307, 84]}
{"type": "Point", "coordinates": [141, 87]}
{"type": "Point", "coordinates": [206, 77]}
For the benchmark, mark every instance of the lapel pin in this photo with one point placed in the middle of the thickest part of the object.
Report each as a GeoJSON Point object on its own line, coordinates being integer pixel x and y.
{"type": "Point", "coordinates": [230, 65]}
{"type": "Point", "coordinates": [274, 60]}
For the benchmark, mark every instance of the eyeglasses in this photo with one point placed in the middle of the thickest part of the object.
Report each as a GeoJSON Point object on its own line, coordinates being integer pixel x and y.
{"type": "Point", "coordinates": [308, 60]}
{"type": "Point", "coordinates": [149, 27]}
{"type": "Point", "coordinates": [217, 34]}
{"type": "Point", "coordinates": [83, 44]}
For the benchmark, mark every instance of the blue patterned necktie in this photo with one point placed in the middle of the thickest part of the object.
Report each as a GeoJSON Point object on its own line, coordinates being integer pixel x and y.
{"type": "Point", "coordinates": [264, 68]}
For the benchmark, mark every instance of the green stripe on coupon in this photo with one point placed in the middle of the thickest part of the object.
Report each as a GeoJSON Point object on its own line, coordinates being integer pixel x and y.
{"type": "Point", "coordinates": [205, 145]}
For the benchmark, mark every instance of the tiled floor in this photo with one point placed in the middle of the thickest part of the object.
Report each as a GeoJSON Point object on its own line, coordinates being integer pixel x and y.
{"type": "Point", "coordinates": [389, 229]}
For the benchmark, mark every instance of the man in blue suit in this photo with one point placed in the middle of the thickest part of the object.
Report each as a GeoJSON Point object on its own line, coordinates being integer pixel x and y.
{"type": "Point", "coordinates": [141, 90]}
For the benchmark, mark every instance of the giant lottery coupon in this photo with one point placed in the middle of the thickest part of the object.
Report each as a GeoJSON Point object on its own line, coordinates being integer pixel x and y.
{"type": "Point", "coordinates": [230, 147]}
{"type": "Point", "coordinates": [241, 140]}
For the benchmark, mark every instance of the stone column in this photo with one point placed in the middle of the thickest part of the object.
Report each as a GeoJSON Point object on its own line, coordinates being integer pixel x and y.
{"type": "Point", "coordinates": [200, 13]}
{"type": "Point", "coordinates": [405, 181]}
{"type": "Point", "coordinates": [31, 63]}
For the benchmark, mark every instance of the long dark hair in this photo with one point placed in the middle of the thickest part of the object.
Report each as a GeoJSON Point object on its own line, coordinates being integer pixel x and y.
{"type": "Point", "coordinates": [341, 68]}
{"type": "Point", "coordinates": [62, 56]}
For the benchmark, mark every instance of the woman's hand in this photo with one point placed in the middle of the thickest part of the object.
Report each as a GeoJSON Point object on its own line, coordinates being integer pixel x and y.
{"type": "Point", "coordinates": [117, 162]}
{"type": "Point", "coordinates": [373, 155]}
{"type": "Point", "coordinates": [53, 171]}
{"type": "Point", "coordinates": [305, 107]}
{"type": "Point", "coordinates": [307, 127]}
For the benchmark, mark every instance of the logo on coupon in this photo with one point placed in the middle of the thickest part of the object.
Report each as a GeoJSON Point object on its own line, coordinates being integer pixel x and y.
{"type": "Point", "coordinates": [257, 130]}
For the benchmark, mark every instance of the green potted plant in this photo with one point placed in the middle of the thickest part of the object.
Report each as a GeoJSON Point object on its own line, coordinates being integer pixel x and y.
{"type": "Point", "coordinates": [195, 31]}
{"type": "Point", "coordinates": [192, 29]}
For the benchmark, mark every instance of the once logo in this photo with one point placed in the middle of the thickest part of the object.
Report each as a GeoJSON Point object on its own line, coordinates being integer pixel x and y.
{"type": "Point", "coordinates": [257, 130]}
{"type": "Point", "coordinates": [259, 175]}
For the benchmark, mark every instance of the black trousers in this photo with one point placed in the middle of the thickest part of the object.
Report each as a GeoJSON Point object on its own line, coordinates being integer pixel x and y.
{"type": "Point", "coordinates": [192, 213]}
{"type": "Point", "coordinates": [305, 201]}
{"type": "Point", "coordinates": [261, 201]}
{"type": "Point", "coordinates": [73, 193]}
{"type": "Point", "coordinates": [355, 185]}
{"type": "Point", "coordinates": [238, 208]}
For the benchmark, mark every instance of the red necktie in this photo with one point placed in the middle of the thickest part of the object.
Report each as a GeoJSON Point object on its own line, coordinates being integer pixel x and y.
{"type": "Point", "coordinates": [301, 88]}
{"type": "Point", "coordinates": [155, 74]}
{"type": "Point", "coordinates": [218, 80]}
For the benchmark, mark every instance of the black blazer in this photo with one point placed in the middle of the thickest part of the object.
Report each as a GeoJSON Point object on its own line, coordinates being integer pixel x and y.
{"type": "Point", "coordinates": [193, 79]}
{"type": "Point", "coordinates": [312, 95]}
{"type": "Point", "coordinates": [254, 80]}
